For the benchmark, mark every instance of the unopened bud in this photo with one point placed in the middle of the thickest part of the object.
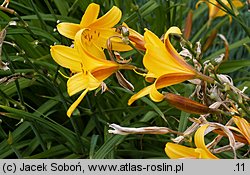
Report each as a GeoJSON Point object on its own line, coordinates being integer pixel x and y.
{"type": "Point", "coordinates": [226, 87]}
{"type": "Point", "coordinates": [10, 139]}
{"type": "Point", "coordinates": [188, 105]}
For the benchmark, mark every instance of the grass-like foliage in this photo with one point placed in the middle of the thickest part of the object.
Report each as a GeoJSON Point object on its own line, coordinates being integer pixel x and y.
{"type": "Point", "coordinates": [210, 91]}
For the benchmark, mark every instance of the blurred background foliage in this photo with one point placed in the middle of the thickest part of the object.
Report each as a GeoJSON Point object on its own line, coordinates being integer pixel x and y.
{"type": "Point", "coordinates": [34, 99]}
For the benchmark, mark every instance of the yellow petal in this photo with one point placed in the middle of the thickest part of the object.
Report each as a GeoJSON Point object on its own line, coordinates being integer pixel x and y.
{"type": "Point", "coordinates": [119, 45]}
{"type": "Point", "coordinates": [66, 57]}
{"type": "Point", "coordinates": [175, 151]}
{"type": "Point", "coordinates": [81, 81]}
{"type": "Point", "coordinates": [77, 83]}
{"type": "Point", "coordinates": [237, 3]}
{"type": "Point", "coordinates": [175, 55]}
{"type": "Point", "coordinates": [163, 81]}
{"type": "Point", "coordinates": [202, 154]}
{"type": "Point", "coordinates": [101, 69]}
{"type": "Point", "coordinates": [68, 30]}
{"type": "Point", "coordinates": [155, 95]}
{"type": "Point", "coordinates": [151, 38]}
{"type": "Point", "coordinates": [173, 78]}
{"type": "Point", "coordinates": [213, 9]}
{"type": "Point", "coordinates": [158, 62]}
{"type": "Point", "coordinates": [94, 64]}
{"type": "Point", "coordinates": [240, 138]}
{"type": "Point", "coordinates": [94, 51]}
{"type": "Point", "coordinates": [93, 83]}
{"type": "Point", "coordinates": [171, 30]}
{"type": "Point", "coordinates": [84, 47]}
{"type": "Point", "coordinates": [150, 77]}
{"type": "Point", "coordinates": [200, 143]}
{"type": "Point", "coordinates": [141, 93]}
{"type": "Point", "coordinates": [244, 127]}
{"type": "Point", "coordinates": [103, 73]}
{"type": "Point", "coordinates": [198, 3]}
{"type": "Point", "coordinates": [221, 12]}
{"type": "Point", "coordinates": [90, 15]}
{"type": "Point", "coordinates": [111, 18]}
{"type": "Point", "coordinates": [76, 103]}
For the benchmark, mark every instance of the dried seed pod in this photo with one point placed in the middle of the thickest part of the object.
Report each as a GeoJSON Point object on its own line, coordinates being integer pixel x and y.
{"type": "Point", "coordinates": [188, 105]}
{"type": "Point", "coordinates": [188, 25]}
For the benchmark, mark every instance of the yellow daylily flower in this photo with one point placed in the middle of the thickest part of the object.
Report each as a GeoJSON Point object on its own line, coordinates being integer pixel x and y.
{"type": "Point", "coordinates": [94, 32]}
{"type": "Point", "coordinates": [89, 72]}
{"type": "Point", "coordinates": [164, 64]}
{"type": "Point", "coordinates": [243, 126]}
{"type": "Point", "coordinates": [216, 10]}
{"type": "Point", "coordinates": [176, 151]}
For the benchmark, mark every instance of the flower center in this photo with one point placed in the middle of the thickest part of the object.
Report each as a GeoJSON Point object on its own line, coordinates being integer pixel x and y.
{"type": "Point", "coordinates": [89, 35]}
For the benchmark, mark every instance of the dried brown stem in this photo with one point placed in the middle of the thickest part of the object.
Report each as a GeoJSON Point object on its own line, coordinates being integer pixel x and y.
{"type": "Point", "coordinates": [143, 130]}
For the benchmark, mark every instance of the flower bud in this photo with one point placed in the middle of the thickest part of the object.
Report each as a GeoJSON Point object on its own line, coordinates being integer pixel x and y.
{"type": "Point", "coordinates": [188, 105]}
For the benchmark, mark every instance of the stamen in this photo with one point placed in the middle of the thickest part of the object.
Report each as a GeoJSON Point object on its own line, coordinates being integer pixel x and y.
{"type": "Point", "coordinates": [65, 76]}
{"type": "Point", "coordinates": [142, 74]}
{"type": "Point", "coordinates": [88, 37]}
{"type": "Point", "coordinates": [83, 70]}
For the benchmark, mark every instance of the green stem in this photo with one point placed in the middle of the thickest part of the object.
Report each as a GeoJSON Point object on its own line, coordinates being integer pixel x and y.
{"type": "Point", "coordinates": [19, 92]}
{"type": "Point", "coordinates": [180, 15]}
{"type": "Point", "coordinates": [168, 22]}
{"type": "Point", "coordinates": [142, 25]}
{"type": "Point", "coordinates": [25, 25]}
{"type": "Point", "coordinates": [50, 9]}
{"type": "Point", "coordinates": [202, 30]}
{"type": "Point", "coordinates": [72, 120]}
{"type": "Point", "coordinates": [78, 135]}
{"type": "Point", "coordinates": [241, 105]}
{"type": "Point", "coordinates": [3, 135]}
{"type": "Point", "coordinates": [173, 23]}
{"type": "Point", "coordinates": [43, 24]}
{"type": "Point", "coordinates": [18, 154]}
{"type": "Point", "coordinates": [205, 78]}
{"type": "Point", "coordinates": [26, 58]}
{"type": "Point", "coordinates": [138, 51]}
{"type": "Point", "coordinates": [34, 128]}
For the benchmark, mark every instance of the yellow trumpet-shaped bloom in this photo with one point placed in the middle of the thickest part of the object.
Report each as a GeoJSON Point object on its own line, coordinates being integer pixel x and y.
{"type": "Point", "coordinates": [216, 10]}
{"type": "Point", "coordinates": [244, 127]}
{"type": "Point", "coordinates": [175, 151]}
{"type": "Point", "coordinates": [94, 31]}
{"type": "Point", "coordinates": [164, 64]}
{"type": "Point", "coordinates": [89, 72]}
